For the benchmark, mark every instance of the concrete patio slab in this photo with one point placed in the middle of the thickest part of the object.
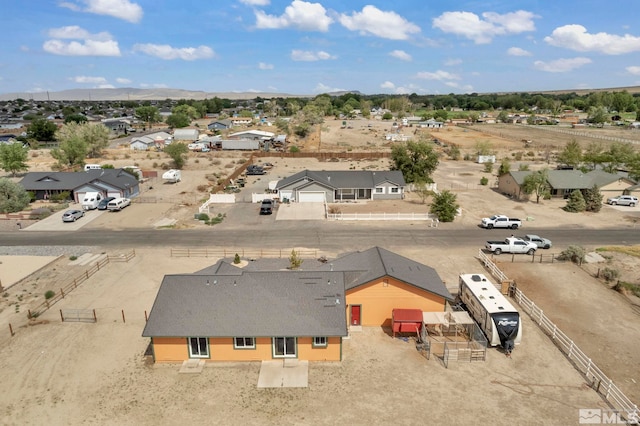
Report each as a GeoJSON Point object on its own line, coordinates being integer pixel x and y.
{"type": "Point", "coordinates": [288, 373]}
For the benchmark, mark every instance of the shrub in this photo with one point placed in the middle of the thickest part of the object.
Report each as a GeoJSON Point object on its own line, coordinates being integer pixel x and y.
{"type": "Point", "coordinates": [203, 217]}
{"type": "Point", "coordinates": [488, 167]}
{"type": "Point", "coordinates": [626, 288]}
{"type": "Point", "coordinates": [294, 260]}
{"type": "Point", "coordinates": [484, 181]}
{"type": "Point", "coordinates": [236, 259]}
{"type": "Point", "coordinates": [49, 294]}
{"type": "Point", "coordinates": [203, 188]}
{"type": "Point", "coordinates": [610, 274]}
{"type": "Point", "coordinates": [72, 258]}
{"type": "Point", "coordinates": [575, 254]}
{"type": "Point", "coordinates": [334, 210]}
{"type": "Point", "coordinates": [294, 149]}
{"type": "Point", "coordinates": [40, 213]}
{"type": "Point", "coordinates": [216, 162]}
{"type": "Point", "coordinates": [467, 157]}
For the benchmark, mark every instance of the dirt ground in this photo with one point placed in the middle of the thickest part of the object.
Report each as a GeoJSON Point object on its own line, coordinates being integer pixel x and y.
{"type": "Point", "coordinates": [45, 381]}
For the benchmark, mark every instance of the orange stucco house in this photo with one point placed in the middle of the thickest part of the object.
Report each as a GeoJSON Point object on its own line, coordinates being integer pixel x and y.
{"type": "Point", "coordinates": [263, 311]}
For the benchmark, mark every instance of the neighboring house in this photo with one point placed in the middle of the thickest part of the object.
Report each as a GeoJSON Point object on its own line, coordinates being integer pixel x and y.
{"type": "Point", "coordinates": [109, 182]}
{"type": "Point", "coordinates": [264, 311]}
{"type": "Point", "coordinates": [341, 185]}
{"type": "Point", "coordinates": [150, 141]}
{"type": "Point", "coordinates": [252, 134]}
{"type": "Point", "coordinates": [239, 121]}
{"type": "Point", "coordinates": [190, 135]}
{"type": "Point", "coordinates": [563, 182]}
{"type": "Point", "coordinates": [431, 124]}
{"type": "Point", "coordinates": [220, 125]}
{"type": "Point", "coordinates": [117, 126]}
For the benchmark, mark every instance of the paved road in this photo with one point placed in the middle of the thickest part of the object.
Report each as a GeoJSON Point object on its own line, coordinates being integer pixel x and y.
{"type": "Point", "coordinates": [332, 237]}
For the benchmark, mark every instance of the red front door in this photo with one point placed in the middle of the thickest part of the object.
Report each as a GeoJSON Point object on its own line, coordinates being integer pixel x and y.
{"type": "Point", "coordinates": [355, 314]}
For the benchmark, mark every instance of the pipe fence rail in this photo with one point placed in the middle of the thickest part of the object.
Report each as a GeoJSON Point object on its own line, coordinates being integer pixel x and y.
{"type": "Point", "coordinates": [596, 379]}
{"type": "Point", "coordinates": [247, 254]}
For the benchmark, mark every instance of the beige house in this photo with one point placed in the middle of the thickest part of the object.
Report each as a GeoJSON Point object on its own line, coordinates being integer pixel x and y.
{"type": "Point", "coordinates": [564, 182]}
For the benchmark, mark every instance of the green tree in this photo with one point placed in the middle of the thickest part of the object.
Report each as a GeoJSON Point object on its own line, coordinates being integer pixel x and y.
{"type": "Point", "coordinates": [505, 167]}
{"type": "Point", "coordinates": [72, 148]}
{"type": "Point", "coordinates": [503, 116]}
{"type": "Point", "coordinates": [537, 183]}
{"type": "Point", "coordinates": [295, 261]}
{"type": "Point", "coordinates": [148, 114]}
{"type": "Point", "coordinates": [597, 115]}
{"type": "Point", "coordinates": [593, 199]}
{"type": "Point", "coordinates": [187, 110]}
{"type": "Point", "coordinates": [13, 196]}
{"type": "Point", "coordinates": [593, 155]}
{"type": "Point", "coordinates": [416, 160]}
{"type": "Point", "coordinates": [96, 137]}
{"type": "Point", "coordinates": [484, 148]}
{"type": "Point", "coordinates": [422, 191]}
{"type": "Point", "coordinates": [13, 158]}
{"type": "Point", "coordinates": [576, 202]}
{"type": "Point", "coordinates": [444, 206]}
{"type": "Point", "coordinates": [178, 120]}
{"type": "Point", "coordinates": [75, 118]}
{"type": "Point", "coordinates": [42, 129]}
{"type": "Point", "coordinates": [617, 155]}
{"type": "Point", "coordinates": [571, 155]}
{"type": "Point", "coordinates": [177, 151]}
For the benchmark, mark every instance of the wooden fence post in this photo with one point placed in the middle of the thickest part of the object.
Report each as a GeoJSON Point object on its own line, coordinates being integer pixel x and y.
{"type": "Point", "coordinates": [11, 330]}
{"type": "Point", "coordinates": [61, 316]}
{"type": "Point", "coordinates": [29, 313]}
{"type": "Point", "coordinates": [95, 318]}
{"type": "Point", "coordinates": [62, 293]}
{"type": "Point", "coordinates": [123, 319]}
{"type": "Point", "coordinates": [146, 319]}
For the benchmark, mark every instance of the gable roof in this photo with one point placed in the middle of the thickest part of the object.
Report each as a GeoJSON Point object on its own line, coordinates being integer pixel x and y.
{"type": "Point", "coordinates": [572, 179]}
{"type": "Point", "coordinates": [345, 178]}
{"type": "Point", "coordinates": [255, 304]}
{"type": "Point", "coordinates": [377, 262]}
{"type": "Point", "coordinates": [117, 178]}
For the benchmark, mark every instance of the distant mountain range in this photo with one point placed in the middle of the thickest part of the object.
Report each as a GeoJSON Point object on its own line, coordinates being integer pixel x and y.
{"type": "Point", "coordinates": [123, 94]}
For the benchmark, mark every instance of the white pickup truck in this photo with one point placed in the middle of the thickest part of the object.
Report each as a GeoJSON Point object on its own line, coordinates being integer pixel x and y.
{"type": "Point", "coordinates": [511, 245]}
{"type": "Point", "coordinates": [500, 221]}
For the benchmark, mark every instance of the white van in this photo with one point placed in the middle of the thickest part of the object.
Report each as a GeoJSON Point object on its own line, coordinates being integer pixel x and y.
{"type": "Point", "coordinates": [88, 167]}
{"type": "Point", "coordinates": [118, 204]}
{"type": "Point", "coordinates": [91, 200]}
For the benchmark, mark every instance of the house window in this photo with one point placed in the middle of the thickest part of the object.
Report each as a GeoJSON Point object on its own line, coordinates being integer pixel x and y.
{"type": "Point", "coordinates": [244, 343]}
{"type": "Point", "coordinates": [395, 190]}
{"type": "Point", "coordinates": [320, 342]}
{"type": "Point", "coordinates": [198, 347]}
{"type": "Point", "coordinates": [379, 190]}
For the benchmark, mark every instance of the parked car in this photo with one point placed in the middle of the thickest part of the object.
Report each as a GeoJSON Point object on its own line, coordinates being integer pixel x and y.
{"type": "Point", "coordinates": [103, 204]}
{"type": "Point", "coordinates": [253, 169]}
{"type": "Point", "coordinates": [500, 221]}
{"type": "Point", "coordinates": [118, 204]}
{"type": "Point", "coordinates": [623, 200]}
{"type": "Point", "coordinates": [540, 242]}
{"type": "Point", "coordinates": [511, 245]}
{"type": "Point", "coordinates": [72, 215]}
{"type": "Point", "coordinates": [266, 207]}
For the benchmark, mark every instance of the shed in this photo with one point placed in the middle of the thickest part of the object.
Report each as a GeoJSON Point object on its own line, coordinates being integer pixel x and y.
{"type": "Point", "coordinates": [406, 321]}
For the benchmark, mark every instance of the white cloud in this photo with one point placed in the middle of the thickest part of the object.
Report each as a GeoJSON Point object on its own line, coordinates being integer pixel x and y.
{"type": "Point", "coordinates": [106, 86]}
{"type": "Point", "coordinates": [76, 32]}
{"type": "Point", "coordinates": [84, 48]}
{"type": "Point", "coordinates": [89, 80]}
{"type": "Point", "coordinates": [309, 56]}
{"type": "Point", "coordinates": [635, 70]}
{"type": "Point", "coordinates": [256, 2]}
{"type": "Point", "coordinates": [452, 62]}
{"type": "Point", "coordinates": [464, 87]}
{"type": "Point", "coordinates": [122, 80]}
{"type": "Point", "coordinates": [562, 65]}
{"type": "Point", "coordinates": [401, 54]}
{"type": "Point", "coordinates": [373, 21]}
{"type": "Point", "coordinates": [438, 75]}
{"type": "Point", "coordinates": [153, 85]}
{"type": "Point", "coordinates": [264, 66]}
{"type": "Point", "coordinates": [388, 85]}
{"type": "Point", "coordinates": [517, 51]}
{"type": "Point", "coordinates": [299, 14]}
{"type": "Point", "coordinates": [322, 88]}
{"type": "Point", "coordinates": [121, 9]}
{"type": "Point", "coordinates": [483, 29]}
{"type": "Point", "coordinates": [164, 51]}
{"type": "Point", "coordinates": [576, 37]}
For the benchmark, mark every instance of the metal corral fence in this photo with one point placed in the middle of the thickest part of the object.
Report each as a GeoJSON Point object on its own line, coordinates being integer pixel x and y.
{"type": "Point", "coordinates": [594, 376]}
{"type": "Point", "coordinates": [75, 282]}
{"type": "Point", "coordinates": [247, 254]}
{"type": "Point", "coordinates": [520, 258]}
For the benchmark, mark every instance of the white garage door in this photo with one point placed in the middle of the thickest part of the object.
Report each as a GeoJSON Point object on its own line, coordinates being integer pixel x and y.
{"type": "Point", "coordinates": [311, 197]}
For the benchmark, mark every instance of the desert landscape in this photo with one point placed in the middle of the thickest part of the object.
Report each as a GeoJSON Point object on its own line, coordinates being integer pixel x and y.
{"type": "Point", "coordinates": [100, 374]}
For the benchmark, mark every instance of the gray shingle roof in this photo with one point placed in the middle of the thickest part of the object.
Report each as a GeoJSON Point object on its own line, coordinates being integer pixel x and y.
{"type": "Point", "coordinates": [253, 304]}
{"type": "Point", "coordinates": [345, 178]}
{"type": "Point", "coordinates": [572, 179]}
{"type": "Point", "coordinates": [66, 181]}
{"type": "Point", "coordinates": [376, 262]}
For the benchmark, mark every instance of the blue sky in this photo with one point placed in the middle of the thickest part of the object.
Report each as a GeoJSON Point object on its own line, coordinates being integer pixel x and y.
{"type": "Point", "coordinates": [306, 48]}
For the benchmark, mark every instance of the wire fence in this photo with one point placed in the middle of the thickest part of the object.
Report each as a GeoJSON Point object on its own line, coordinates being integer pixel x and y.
{"type": "Point", "coordinates": [247, 254]}
{"type": "Point", "coordinates": [593, 375]}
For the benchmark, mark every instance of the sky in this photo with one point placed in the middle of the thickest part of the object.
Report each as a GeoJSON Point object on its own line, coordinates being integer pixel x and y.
{"type": "Point", "coordinates": [307, 48]}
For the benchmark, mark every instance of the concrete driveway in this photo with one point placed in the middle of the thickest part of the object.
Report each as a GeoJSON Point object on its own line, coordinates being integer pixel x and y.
{"type": "Point", "coordinates": [55, 223]}
{"type": "Point", "coordinates": [301, 211]}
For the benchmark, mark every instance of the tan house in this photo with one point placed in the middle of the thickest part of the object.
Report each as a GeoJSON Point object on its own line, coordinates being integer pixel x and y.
{"type": "Point", "coordinates": [264, 311]}
{"type": "Point", "coordinates": [564, 182]}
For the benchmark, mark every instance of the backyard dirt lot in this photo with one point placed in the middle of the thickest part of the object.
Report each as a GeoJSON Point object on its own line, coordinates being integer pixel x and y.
{"type": "Point", "coordinates": [85, 373]}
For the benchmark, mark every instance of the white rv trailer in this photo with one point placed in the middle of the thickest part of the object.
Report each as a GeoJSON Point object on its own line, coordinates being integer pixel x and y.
{"type": "Point", "coordinates": [495, 315]}
{"type": "Point", "coordinates": [172, 175]}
